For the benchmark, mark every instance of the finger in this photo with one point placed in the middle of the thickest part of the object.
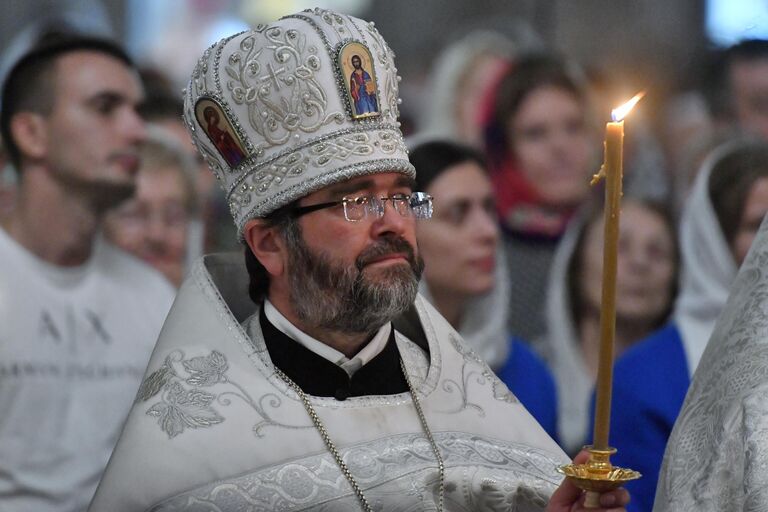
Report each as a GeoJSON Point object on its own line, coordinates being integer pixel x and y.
{"type": "Point", "coordinates": [582, 457]}
{"type": "Point", "coordinates": [565, 495]}
{"type": "Point", "coordinates": [615, 498]}
{"type": "Point", "coordinates": [581, 508]}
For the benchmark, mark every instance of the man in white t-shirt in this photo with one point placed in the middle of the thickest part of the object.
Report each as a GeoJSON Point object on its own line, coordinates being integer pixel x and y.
{"type": "Point", "coordinates": [78, 317]}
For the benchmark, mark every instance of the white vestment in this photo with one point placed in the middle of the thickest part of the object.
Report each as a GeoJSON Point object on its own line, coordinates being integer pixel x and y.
{"type": "Point", "coordinates": [717, 456]}
{"type": "Point", "coordinates": [214, 427]}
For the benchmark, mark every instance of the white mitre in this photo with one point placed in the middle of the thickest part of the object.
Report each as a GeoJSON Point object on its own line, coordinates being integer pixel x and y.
{"type": "Point", "coordinates": [274, 113]}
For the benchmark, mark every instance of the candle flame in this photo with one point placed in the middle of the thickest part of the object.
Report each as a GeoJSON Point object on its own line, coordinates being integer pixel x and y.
{"type": "Point", "coordinates": [621, 112]}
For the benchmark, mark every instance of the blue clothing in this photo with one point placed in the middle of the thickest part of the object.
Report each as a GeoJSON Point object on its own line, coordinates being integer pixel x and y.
{"type": "Point", "coordinates": [650, 381]}
{"type": "Point", "coordinates": [526, 375]}
{"type": "Point", "coordinates": [365, 102]}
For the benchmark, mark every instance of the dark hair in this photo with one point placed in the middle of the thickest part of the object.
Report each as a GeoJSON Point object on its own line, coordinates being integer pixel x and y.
{"type": "Point", "coordinates": [161, 102]}
{"type": "Point", "coordinates": [160, 108]}
{"type": "Point", "coordinates": [717, 80]}
{"type": "Point", "coordinates": [432, 158]}
{"type": "Point", "coordinates": [527, 75]}
{"type": "Point", "coordinates": [731, 180]}
{"type": "Point", "coordinates": [286, 224]}
{"type": "Point", "coordinates": [29, 85]}
{"type": "Point", "coordinates": [592, 212]}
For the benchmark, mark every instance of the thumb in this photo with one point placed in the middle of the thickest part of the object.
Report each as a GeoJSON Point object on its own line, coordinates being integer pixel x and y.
{"type": "Point", "coordinates": [567, 494]}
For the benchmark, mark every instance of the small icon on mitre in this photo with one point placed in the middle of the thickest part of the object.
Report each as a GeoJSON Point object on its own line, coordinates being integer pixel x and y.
{"type": "Point", "coordinates": [356, 64]}
{"type": "Point", "coordinates": [216, 125]}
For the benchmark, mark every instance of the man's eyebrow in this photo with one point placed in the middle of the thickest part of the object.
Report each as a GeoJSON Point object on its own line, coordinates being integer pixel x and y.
{"type": "Point", "coordinates": [405, 181]}
{"type": "Point", "coordinates": [108, 97]}
{"type": "Point", "coordinates": [343, 189]}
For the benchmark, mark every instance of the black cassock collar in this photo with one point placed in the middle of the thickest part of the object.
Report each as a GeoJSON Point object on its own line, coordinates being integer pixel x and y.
{"type": "Point", "coordinates": [318, 376]}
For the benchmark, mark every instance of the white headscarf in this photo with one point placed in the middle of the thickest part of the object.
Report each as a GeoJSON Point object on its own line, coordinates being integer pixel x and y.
{"type": "Point", "coordinates": [708, 267]}
{"type": "Point", "coordinates": [451, 67]}
{"type": "Point", "coordinates": [561, 347]}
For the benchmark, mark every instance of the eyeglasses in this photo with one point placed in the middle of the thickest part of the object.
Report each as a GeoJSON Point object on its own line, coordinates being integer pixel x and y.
{"type": "Point", "coordinates": [137, 214]}
{"type": "Point", "coordinates": [416, 204]}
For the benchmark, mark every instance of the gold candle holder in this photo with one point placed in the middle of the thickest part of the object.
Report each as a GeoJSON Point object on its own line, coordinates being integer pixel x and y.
{"type": "Point", "coordinates": [597, 475]}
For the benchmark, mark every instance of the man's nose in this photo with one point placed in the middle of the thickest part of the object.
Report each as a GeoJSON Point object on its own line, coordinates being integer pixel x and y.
{"type": "Point", "coordinates": [133, 126]}
{"type": "Point", "coordinates": [391, 222]}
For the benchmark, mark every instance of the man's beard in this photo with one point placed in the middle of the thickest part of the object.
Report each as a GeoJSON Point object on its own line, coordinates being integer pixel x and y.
{"type": "Point", "coordinates": [102, 194]}
{"type": "Point", "coordinates": [329, 295]}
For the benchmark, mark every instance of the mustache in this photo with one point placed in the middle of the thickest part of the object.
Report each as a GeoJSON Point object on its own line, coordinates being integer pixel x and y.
{"type": "Point", "coordinates": [386, 247]}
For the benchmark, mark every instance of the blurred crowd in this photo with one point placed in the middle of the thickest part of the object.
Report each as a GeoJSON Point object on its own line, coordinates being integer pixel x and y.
{"type": "Point", "coordinates": [506, 142]}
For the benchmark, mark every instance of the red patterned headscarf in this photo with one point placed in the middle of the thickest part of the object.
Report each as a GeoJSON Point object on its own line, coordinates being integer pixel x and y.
{"type": "Point", "coordinates": [520, 208]}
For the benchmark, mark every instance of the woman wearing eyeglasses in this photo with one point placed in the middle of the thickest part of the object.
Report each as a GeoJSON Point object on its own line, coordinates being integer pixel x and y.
{"type": "Point", "coordinates": [464, 275]}
{"type": "Point", "coordinates": [154, 225]}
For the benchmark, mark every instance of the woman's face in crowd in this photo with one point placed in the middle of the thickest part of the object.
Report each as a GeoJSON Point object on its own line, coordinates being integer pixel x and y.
{"type": "Point", "coordinates": [755, 208]}
{"type": "Point", "coordinates": [646, 264]}
{"type": "Point", "coordinates": [552, 145]}
{"type": "Point", "coordinates": [153, 224]}
{"type": "Point", "coordinates": [459, 243]}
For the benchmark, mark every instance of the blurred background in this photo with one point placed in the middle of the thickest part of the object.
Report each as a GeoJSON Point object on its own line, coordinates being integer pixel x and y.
{"type": "Point", "coordinates": [655, 44]}
{"type": "Point", "coordinates": [516, 242]}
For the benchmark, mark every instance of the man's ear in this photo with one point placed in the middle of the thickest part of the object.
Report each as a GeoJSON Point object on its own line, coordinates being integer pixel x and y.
{"type": "Point", "coordinates": [28, 130]}
{"type": "Point", "coordinates": [267, 245]}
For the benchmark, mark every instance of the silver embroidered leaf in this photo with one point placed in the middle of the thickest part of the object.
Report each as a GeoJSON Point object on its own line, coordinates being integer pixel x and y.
{"type": "Point", "coordinates": [169, 419]}
{"type": "Point", "coordinates": [231, 72]}
{"type": "Point", "coordinates": [154, 383]}
{"type": "Point", "coordinates": [184, 408]}
{"type": "Point", "coordinates": [206, 370]}
{"type": "Point", "coordinates": [184, 405]}
{"type": "Point", "coordinates": [500, 390]}
{"type": "Point", "coordinates": [464, 349]}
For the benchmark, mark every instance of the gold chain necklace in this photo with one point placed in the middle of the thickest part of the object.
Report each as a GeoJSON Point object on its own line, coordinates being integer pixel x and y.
{"type": "Point", "coordinates": [337, 456]}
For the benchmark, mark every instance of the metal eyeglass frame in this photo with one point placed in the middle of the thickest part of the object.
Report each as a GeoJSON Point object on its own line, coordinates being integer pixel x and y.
{"type": "Point", "coordinates": [419, 206]}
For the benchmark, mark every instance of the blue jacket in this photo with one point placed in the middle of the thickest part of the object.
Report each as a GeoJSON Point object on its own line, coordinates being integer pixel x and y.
{"type": "Point", "coordinates": [528, 377]}
{"type": "Point", "coordinates": [650, 381]}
